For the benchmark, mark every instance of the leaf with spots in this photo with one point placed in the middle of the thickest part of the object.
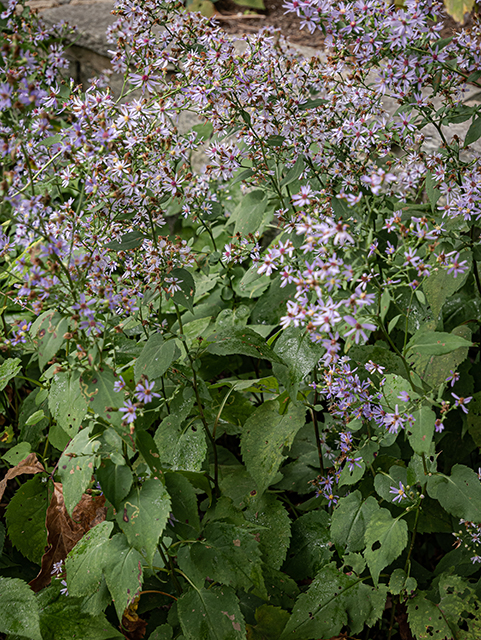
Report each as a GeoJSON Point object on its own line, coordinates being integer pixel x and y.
{"type": "Point", "coordinates": [8, 370]}
{"type": "Point", "coordinates": [230, 555]}
{"type": "Point", "coordinates": [459, 493]}
{"type": "Point", "coordinates": [48, 332]}
{"type": "Point", "coordinates": [211, 614]}
{"type": "Point", "coordinates": [455, 614]}
{"type": "Point", "coordinates": [76, 467]}
{"type": "Point", "coordinates": [85, 562]}
{"type": "Point", "coordinates": [386, 538]}
{"type": "Point", "coordinates": [334, 600]}
{"type": "Point", "coordinates": [123, 572]}
{"type": "Point", "coordinates": [66, 402]}
{"type": "Point", "coordinates": [270, 514]}
{"type": "Point", "coordinates": [98, 390]}
{"type": "Point", "coordinates": [265, 435]}
{"type": "Point", "coordinates": [25, 515]}
{"type": "Point", "coordinates": [143, 514]}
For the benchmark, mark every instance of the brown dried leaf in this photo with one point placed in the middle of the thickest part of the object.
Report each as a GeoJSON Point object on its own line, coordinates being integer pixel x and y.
{"type": "Point", "coordinates": [63, 531]}
{"type": "Point", "coordinates": [132, 626]}
{"type": "Point", "coordinates": [29, 465]}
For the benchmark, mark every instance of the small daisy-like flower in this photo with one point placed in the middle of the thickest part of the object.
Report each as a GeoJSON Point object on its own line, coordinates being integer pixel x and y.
{"type": "Point", "coordinates": [64, 590]}
{"type": "Point", "coordinates": [399, 494]}
{"type": "Point", "coordinates": [144, 392]}
{"type": "Point", "coordinates": [119, 384]}
{"type": "Point", "coordinates": [130, 411]}
{"type": "Point", "coordinates": [453, 377]}
{"type": "Point", "coordinates": [57, 568]}
{"type": "Point", "coordinates": [461, 402]}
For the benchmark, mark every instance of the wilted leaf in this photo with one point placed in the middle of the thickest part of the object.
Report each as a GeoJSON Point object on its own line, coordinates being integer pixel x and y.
{"type": "Point", "coordinates": [30, 465]}
{"type": "Point", "coordinates": [63, 531]}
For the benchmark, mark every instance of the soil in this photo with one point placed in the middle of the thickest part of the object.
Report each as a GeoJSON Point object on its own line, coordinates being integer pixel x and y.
{"type": "Point", "coordinates": [231, 17]}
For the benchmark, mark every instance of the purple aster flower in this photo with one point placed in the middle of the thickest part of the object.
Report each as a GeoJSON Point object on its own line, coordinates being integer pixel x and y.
{"type": "Point", "coordinates": [352, 462]}
{"type": "Point", "coordinates": [119, 384]}
{"type": "Point", "coordinates": [453, 377]}
{"type": "Point", "coordinates": [144, 391]}
{"type": "Point", "coordinates": [130, 411]}
{"type": "Point", "coordinates": [398, 493]}
{"type": "Point", "coordinates": [358, 328]}
{"type": "Point", "coordinates": [461, 402]}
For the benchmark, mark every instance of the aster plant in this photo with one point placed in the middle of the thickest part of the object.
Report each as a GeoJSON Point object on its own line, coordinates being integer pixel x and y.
{"type": "Point", "coordinates": [240, 361]}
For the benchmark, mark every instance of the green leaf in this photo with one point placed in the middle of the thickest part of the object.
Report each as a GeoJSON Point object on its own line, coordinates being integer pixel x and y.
{"type": "Point", "coordinates": [115, 481]}
{"type": "Point", "coordinates": [230, 555]}
{"type": "Point", "coordinates": [254, 4]}
{"type": "Point", "coordinates": [98, 389]}
{"type": "Point", "coordinates": [474, 131]}
{"type": "Point", "coordinates": [76, 467]}
{"type": "Point", "coordinates": [249, 213]}
{"type": "Point", "coordinates": [435, 369]}
{"type": "Point", "coordinates": [32, 433]}
{"type": "Point", "coordinates": [459, 493]}
{"type": "Point", "coordinates": [441, 285]}
{"type": "Point", "coordinates": [211, 614]}
{"type": "Point", "coordinates": [294, 172]}
{"type": "Point", "coordinates": [270, 514]}
{"type": "Point", "coordinates": [264, 437]}
{"type": "Point", "coordinates": [437, 343]}
{"type": "Point", "coordinates": [143, 515]}
{"type": "Point", "coordinates": [164, 632]}
{"type": "Point", "coordinates": [85, 563]}
{"type": "Point", "coordinates": [421, 433]}
{"type": "Point", "coordinates": [123, 572]}
{"type": "Point", "coordinates": [147, 447]}
{"type": "Point", "coordinates": [156, 357]}
{"type": "Point", "coordinates": [2, 537]}
{"type": "Point", "coordinates": [300, 354]}
{"type": "Point", "coordinates": [204, 7]}
{"type": "Point", "coordinates": [19, 610]}
{"type": "Point", "coordinates": [66, 402]}
{"type": "Point", "coordinates": [17, 453]}
{"type": "Point", "coordinates": [385, 303]}
{"type": "Point", "coordinates": [310, 546]}
{"type": "Point", "coordinates": [392, 536]}
{"type": "Point", "coordinates": [181, 450]}
{"type": "Point", "coordinates": [62, 618]}
{"type": "Point", "coordinates": [48, 331]}
{"type": "Point", "coordinates": [432, 192]}
{"type": "Point", "coordinates": [271, 622]}
{"type": "Point", "coordinates": [35, 418]}
{"type": "Point", "coordinates": [25, 515]}
{"type": "Point", "coordinates": [333, 600]}
{"type": "Point", "coordinates": [184, 505]}
{"type": "Point", "coordinates": [8, 370]}
{"type": "Point", "coordinates": [350, 519]}
{"type": "Point", "coordinates": [241, 341]}
{"type": "Point", "coordinates": [130, 240]}
{"type": "Point", "coordinates": [184, 297]}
